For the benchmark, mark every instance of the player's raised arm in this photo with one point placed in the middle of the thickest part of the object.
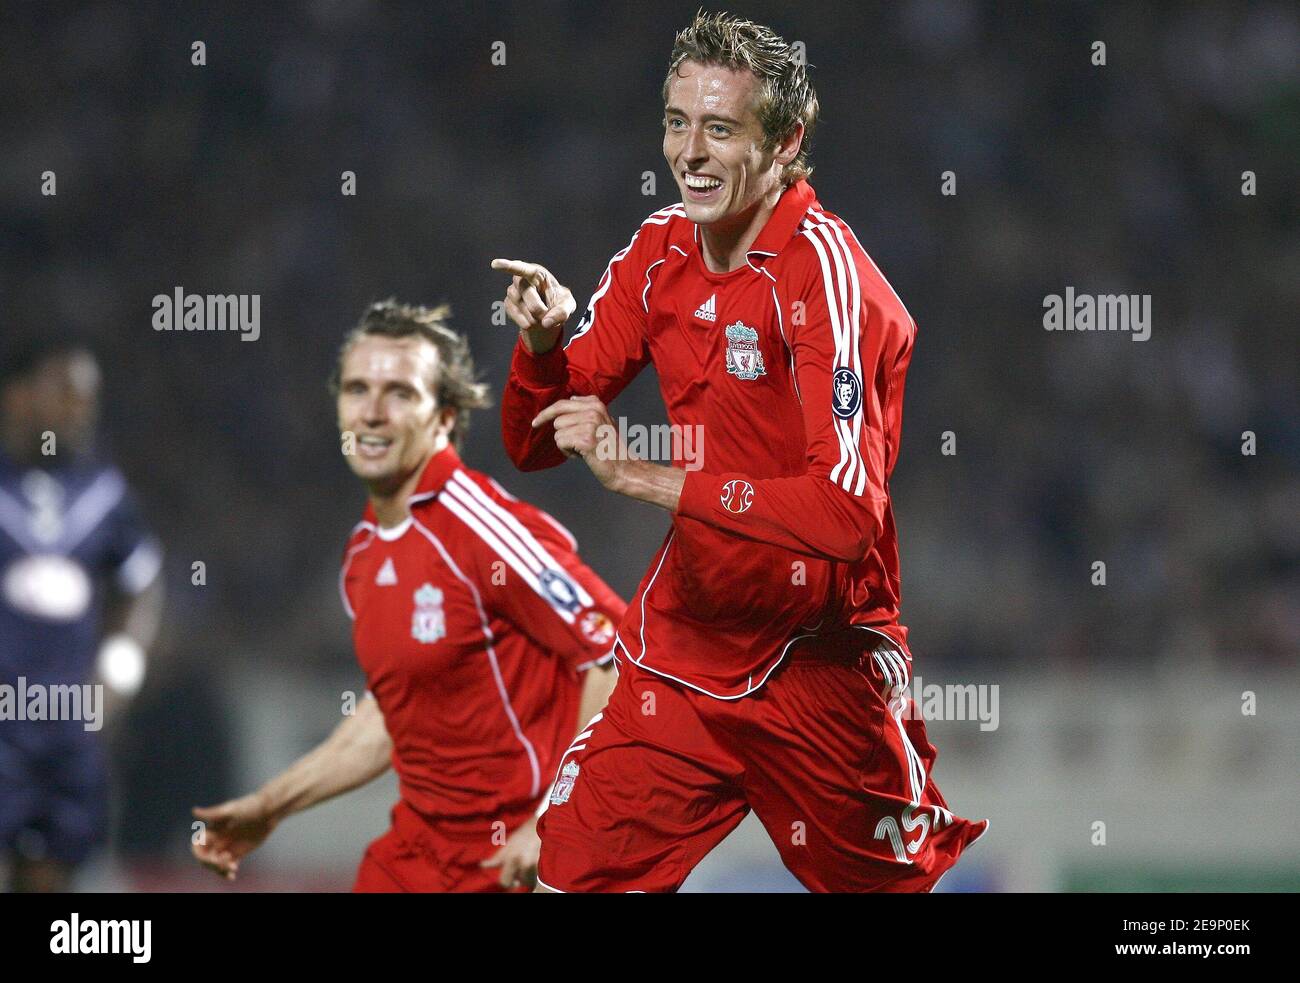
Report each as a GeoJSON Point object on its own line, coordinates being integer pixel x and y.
{"type": "Point", "coordinates": [608, 347]}
{"type": "Point", "coordinates": [539, 306]}
{"type": "Point", "coordinates": [537, 302]}
{"type": "Point", "coordinates": [358, 751]}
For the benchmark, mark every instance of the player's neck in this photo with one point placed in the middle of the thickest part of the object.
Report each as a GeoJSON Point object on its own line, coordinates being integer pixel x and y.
{"type": "Point", "coordinates": [392, 510]}
{"type": "Point", "coordinates": [726, 247]}
{"type": "Point", "coordinates": [392, 506]}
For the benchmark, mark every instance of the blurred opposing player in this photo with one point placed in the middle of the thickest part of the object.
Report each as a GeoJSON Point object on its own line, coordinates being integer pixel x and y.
{"type": "Point", "coordinates": [80, 599]}
{"type": "Point", "coordinates": [483, 636]}
{"type": "Point", "coordinates": [761, 663]}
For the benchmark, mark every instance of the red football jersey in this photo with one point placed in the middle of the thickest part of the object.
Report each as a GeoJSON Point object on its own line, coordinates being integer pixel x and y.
{"type": "Point", "coordinates": [793, 368]}
{"type": "Point", "coordinates": [473, 621]}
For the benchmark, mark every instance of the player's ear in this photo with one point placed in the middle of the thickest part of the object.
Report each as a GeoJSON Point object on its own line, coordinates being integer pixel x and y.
{"type": "Point", "coordinates": [788, 149]}
{"type": "Point", "coordinates": [446, 420]}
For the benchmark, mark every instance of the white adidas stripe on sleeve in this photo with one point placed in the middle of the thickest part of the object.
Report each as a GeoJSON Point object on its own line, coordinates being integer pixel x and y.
{"type": "Point", "coordinates": [661, 217]}
{"type": "Point", "coordinates": [844, 329]}
{"type": "Point", "coordinates": [511, 540]}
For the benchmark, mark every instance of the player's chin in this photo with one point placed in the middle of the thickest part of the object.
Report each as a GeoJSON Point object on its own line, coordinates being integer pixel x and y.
{"type": "Point", "coordinates": [702, 213]}
{"type": "Point", "coordinates": [370, 470]}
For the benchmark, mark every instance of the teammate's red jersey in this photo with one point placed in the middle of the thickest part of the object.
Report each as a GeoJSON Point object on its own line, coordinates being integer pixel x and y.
{"type": "Point", "coordinates": [793, 366]}
{"type": "Point", "coordinates": [473, 621]}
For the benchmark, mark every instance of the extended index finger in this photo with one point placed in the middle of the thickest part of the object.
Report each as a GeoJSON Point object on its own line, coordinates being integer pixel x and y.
{"type": "Point", "coordinates": [212, 815]}
{"type": "Point", "coordinates": [572, 404]}
{"type": "Point", "coordinates": [532, 272]}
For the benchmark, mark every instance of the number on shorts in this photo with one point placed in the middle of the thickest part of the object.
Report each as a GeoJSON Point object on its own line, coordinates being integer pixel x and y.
{"type": "Point", "coordinates": [888, 827]}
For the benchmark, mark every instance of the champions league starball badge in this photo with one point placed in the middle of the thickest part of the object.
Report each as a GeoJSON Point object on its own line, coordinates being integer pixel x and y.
{"type": "Point", "coordinates": [846, 393]}
{"type": "Point", "coordinates": [559, 589]}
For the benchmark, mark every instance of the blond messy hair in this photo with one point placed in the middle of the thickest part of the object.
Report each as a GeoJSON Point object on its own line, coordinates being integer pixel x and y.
{"type": "Point", "coordinates": [786, 97]}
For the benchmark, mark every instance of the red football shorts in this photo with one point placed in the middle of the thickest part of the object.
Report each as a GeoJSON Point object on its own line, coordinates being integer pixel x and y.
{"type": "Point", "coordinates": [824, 753]}
{"type": "Point", "coordinates": [420, 856]}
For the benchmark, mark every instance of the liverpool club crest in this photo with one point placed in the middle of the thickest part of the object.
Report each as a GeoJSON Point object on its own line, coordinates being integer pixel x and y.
{"type": "Point", "coordinates": [428, 624]}
{"type": "Point", "coordinates": [564, 785]}
{"type": "Point", "coordinates": [744, 360]}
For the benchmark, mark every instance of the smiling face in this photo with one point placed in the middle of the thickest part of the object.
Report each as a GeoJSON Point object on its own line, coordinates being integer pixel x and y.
{"type": "Point", "coordinates": [714, 143]}
{"type": "Point", "coordinates": [387, 399]}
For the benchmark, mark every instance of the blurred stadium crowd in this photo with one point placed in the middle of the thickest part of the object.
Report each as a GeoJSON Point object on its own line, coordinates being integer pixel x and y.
{"type": "Point", "coordinates": [1070, 448]}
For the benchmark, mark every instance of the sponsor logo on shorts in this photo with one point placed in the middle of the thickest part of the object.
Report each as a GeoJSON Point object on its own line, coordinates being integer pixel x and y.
{"type": "Point", "coordinates": [737, 495]}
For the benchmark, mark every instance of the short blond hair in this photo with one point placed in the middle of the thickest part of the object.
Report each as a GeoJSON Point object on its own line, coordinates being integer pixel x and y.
{"type": "Point", "coordinates": [786, 97]}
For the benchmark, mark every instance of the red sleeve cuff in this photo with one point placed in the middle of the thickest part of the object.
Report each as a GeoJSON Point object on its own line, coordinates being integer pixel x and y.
{"type": "Point", "coordinates": [539, 371]}
{"type": "Point", "coordinates": [700, 493]}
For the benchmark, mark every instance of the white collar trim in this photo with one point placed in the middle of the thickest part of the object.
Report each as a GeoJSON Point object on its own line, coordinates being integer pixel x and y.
{"type": "Point", "coordinates": [394, 532]}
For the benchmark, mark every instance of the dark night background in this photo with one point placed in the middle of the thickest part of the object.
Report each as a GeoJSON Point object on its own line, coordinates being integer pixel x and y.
{"type": "Point", "coordinates": [1123, 178]}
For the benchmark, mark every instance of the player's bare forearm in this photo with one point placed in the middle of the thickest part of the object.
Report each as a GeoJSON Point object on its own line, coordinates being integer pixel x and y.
{"type": "Point", "coordinates": [584, 427]}
{"type": "Point", "coordinates": [358, 751]}
{"type": "Point", "coordinates": [597, 683]}
{"type": "Point", "coordinates": [654, 484]}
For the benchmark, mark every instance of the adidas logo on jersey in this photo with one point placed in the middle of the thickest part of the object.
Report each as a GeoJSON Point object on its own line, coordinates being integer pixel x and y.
{"type": "Point", "coordinates": [387, 576]}
{"type": "Point", "coordinates": [708, 310]}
